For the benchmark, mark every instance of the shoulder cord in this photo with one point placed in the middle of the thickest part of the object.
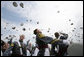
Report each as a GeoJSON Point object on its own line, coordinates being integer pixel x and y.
{"type": "Point", "coordinates": [20, 48]}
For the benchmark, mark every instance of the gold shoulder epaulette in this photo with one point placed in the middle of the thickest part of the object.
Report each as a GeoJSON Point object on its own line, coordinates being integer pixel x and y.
{"type": "Point", "coordinates": [12, 44]}
{"type": "Point", "coordinates": [40, 35]}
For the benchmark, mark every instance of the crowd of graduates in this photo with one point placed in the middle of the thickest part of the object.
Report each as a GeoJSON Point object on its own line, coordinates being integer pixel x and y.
{"type": "Point", "coordinates": [59, 45]}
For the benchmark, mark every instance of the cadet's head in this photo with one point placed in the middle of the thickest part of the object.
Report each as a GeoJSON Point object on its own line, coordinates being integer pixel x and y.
{"type": "Point", "coordinates": [5, 46]}
{"type": "Point", "coordinates": [56, 34]}
{"type": "Point", "coordinates": [37, 31]}
{"type": "Point", "coordinates": [22, 37]}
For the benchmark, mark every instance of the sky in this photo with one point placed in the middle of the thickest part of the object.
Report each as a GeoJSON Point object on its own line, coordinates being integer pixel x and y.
{"type": "Point", "coordinates": [55, 16]}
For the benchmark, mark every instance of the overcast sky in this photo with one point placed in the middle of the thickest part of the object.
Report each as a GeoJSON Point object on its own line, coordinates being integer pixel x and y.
{"type": "Point", "coordinates": [53, 15]}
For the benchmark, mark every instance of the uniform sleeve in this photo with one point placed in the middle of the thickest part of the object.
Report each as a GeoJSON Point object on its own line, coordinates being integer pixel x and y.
{"type": "Point", "coordinates": [47, 39]}
{"type": "Point", "coordinates": [7, 52]}
{"type": "Point", "coordinates": [65, 36]}
{"type": "Point", "coordinates": [54, 40]}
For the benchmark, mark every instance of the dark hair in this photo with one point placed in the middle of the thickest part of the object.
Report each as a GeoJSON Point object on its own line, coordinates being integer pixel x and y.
{"type": "Point", "coordinates": [56, 34]}
{"type": "Point", "coordinates": [2, 42]}
{"type": "Point", "coordinates": [35, 31]}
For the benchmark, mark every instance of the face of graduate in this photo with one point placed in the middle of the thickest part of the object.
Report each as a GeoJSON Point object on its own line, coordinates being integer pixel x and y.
{"type": "Point", "coordinates": [38, 31]}
{"type": "Point", "coordinates": [22, 37]}
{"type": "Point", "coordinates": [5, 46]}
